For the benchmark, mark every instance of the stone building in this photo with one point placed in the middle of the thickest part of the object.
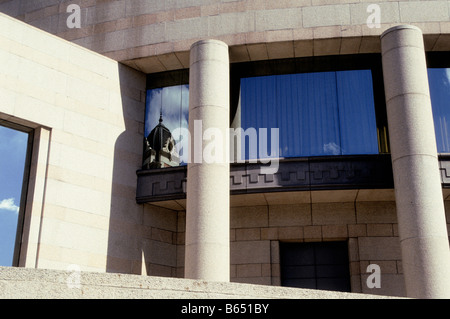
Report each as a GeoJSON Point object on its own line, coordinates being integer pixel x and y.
{"type": "Point", "coordinates": [358, 93]}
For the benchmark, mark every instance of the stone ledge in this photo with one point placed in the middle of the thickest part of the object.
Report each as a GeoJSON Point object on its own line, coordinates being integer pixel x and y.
{"type": "Point", "coordinates": [294, 174]}
{"type": "Point", "coordinates": [30, 283]}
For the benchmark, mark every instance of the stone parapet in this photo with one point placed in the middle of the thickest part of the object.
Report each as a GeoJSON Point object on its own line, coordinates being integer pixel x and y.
{"type": "Point", "coordinates": [29, 283]}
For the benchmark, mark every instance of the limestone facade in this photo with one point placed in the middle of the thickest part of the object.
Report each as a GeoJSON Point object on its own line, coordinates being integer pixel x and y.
{"type": "Point", "coordinates": [83, 92]}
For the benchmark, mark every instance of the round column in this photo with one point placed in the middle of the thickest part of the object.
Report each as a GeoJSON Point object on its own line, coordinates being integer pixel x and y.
{"type": "Point", "coordinates": [418, 192]}
{"type": "Point", "coordinates": [207, 249]}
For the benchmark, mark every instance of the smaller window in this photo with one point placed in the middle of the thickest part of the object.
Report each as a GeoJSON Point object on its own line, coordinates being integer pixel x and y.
{"type": "Point", "coordinates": [167, 110]}
{"type": "Point", "coordinates": [14, 162]}
{"type": "Point", "coordinates": [322, 265]}
{"type": "Point", "coordinates": [166, 120]}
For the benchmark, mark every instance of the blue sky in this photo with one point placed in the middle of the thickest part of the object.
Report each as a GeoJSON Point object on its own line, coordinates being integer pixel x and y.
{"type": "Point", "coordinates": [439, 79]}
{"type": "Point", "coordinates": [13, 146]}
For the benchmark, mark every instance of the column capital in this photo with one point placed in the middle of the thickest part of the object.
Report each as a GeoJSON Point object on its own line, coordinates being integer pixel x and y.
{"type": "Point", "coordinates": [209, 41]}
{"type": "Point", "coordinates": [400, 27]}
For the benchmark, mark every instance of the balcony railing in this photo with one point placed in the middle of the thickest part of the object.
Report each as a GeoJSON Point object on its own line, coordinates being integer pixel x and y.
{"type": "Point", "coordinates": [294, 174]}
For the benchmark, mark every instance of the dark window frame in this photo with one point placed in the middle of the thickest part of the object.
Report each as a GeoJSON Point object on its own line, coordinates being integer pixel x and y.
{"type": "Point", "coordinates": [438, 59]}
{"type": "Point", "coordinates": [167, 78]}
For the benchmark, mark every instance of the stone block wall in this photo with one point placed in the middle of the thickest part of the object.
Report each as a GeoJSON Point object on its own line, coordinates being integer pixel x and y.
{"type": "Point", "coordinates": [365, 219]}
{"type": "Point", "coordinates": [371, 239]}
{"type": "Point", "coordinates": [87, 113]}
{"type": "Point", "coordinates": [155, 36]}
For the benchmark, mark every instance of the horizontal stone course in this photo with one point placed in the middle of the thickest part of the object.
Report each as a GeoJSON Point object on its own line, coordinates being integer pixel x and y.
{"type": "Point", "coordinates": [20, 283]}
{"type": "Point", "coordinates": [119, 28]}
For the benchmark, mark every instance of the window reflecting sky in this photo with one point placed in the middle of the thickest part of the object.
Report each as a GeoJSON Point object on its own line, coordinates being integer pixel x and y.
{"type": "Point", "coordinates": [13, 148]}
{"type": "Point", "coordinates": [173, 102]}
{"type": "Point", "coordinates": [319, 113]}
{"type": "Point", "coordinates": [322, 113]}
{"type": "Point", "coordinates": [439, 81]}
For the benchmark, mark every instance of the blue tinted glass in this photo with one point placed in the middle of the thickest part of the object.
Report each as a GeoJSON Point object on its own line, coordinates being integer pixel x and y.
{"type": "Point", "coordinates": [173, 103]}
{"type": "Point", "coordinates": [324, 113]}
{"type": "Point", "coordinates": [358, 127]}
{"type": "Point", "coordinates": [439, 81]}
{"type": "Point", "coordinates": [13, 147]}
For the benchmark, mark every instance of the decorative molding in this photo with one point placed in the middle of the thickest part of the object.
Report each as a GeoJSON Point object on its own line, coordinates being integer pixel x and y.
{"type": "Point", "coordinates": [295, 174]}
{"type": "Point", "coordinates": [444, 167]}
{"type": "Point", "coordinates": [161, 184]}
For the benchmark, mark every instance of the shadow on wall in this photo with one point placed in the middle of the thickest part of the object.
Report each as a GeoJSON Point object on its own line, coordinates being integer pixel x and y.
{"type": "Point", "coordinates": [141, 238]}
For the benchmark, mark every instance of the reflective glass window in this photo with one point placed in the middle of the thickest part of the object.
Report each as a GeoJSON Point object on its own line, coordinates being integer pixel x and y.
{"type": "Point", "coordinates": [439, 81]}
{"type": "Point", "coordinates": [317, 113]}
{"type": "Point", "coordinates": [322, 106]}
{"type": "Point", "coordinates": [13, 165]}
{"type": "Point", "coordinates": [170, 105]}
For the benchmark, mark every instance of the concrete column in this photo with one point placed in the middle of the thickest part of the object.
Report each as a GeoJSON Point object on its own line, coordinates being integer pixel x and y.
{"type": "Point", "coordinates": [420, 206]}
{"type": "Point", "coordinates": [207, 254]}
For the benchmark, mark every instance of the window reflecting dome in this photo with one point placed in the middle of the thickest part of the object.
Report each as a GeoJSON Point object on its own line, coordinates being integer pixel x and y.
{"type": "Point", "coordinates": [160, 150]}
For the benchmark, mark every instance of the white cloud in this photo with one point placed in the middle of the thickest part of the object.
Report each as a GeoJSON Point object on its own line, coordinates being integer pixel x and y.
{"type": "Point", "coordinates": [8, 204]}
{"type": "Point", "coordinates": [332, 148]}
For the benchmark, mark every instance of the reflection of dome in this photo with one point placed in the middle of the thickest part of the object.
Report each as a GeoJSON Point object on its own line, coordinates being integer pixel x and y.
{"type": "Point", "coordinates": [160, 148]}
{"type": "Point", "coordinates": [159, 136]}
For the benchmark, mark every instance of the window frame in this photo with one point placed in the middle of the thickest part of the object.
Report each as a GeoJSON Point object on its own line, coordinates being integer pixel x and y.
{"type": "Point", "coordinates": [438, 59]}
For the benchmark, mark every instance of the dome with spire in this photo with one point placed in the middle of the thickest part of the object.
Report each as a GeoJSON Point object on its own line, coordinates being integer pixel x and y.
{"type": "Point", "coordinates": [160, 136]}
{"type": "Point", "coordinates": [160, 148]}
